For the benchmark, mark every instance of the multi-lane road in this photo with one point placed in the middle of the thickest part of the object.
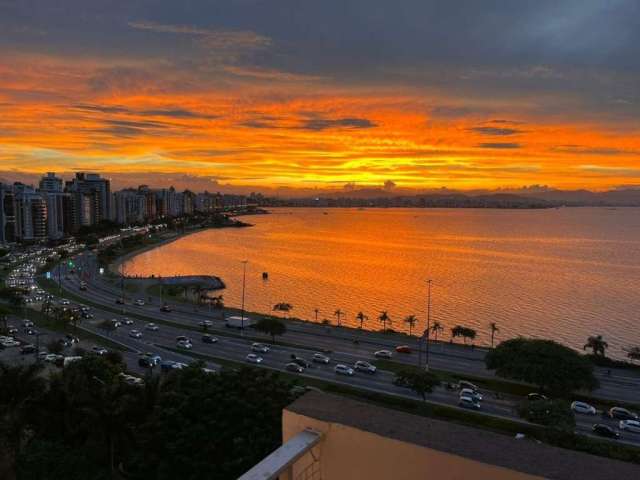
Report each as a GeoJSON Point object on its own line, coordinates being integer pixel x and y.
{"type": "Point", "coordinates": [301, 340]}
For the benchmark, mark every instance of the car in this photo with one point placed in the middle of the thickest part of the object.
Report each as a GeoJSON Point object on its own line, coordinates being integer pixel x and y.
{"type": "Point", "coordinates": [300, 361]}
{"type": "Point", "coordinates": [468, 402]}
{"type": "Point", "coordinates": [99, 350]}
{"type": "Point", "coordinates": [120, 301]}
{"type": "Point", "coordinates": [294, 367]}
{"type": "Point", "coordinates": [466, 384]}
{"type": "Point", "coordinates": [130, 379]}
{"type": "Point", "coordinates": [27, 323]}
{"type": "Point", "coordinates": [366, 367]}
{"type": "Point", "coordinates": [185, 344]}
{"type": "Point", "coordinates": [149, 361]}
{"type": "Point", "coordinates": [64, 301]}
{"type": "Point", "coordinates": [9, 343]}
{"type": "Point", "coordinates": [12, 330]}
{"type": "Point", "coordinates": [169, 365]}
{"type": "Point", "coordinates": [604, 431]}
{"type": "Point", "coordinates": [135, 334]}
{"type": "Point", "coordinates": [403, 349]}
{"type": "Point", "coordinates": [139, 302]}
{"type": "Point", "coordinates": [72, 339]}
{"type": "Point", "coordinates": [31, 331]}
{"type": "Point", "coordinates": [165, 308]}
{"type": "Point", "coordinates": [53, 357]}
{"type": "Point", "coordinates": [259, 347]}
{"type": "Point", "coordinates": [83, 286]}
{"type": "Point", "coordinates": [206, 323]}
{"type": "Point", "coordinates": [620, 413]}
{"type": "Point", "coordinates": [116, 323]}
{"type": "Point", "coordinates": [64, 343]}
{"type": "Point", "coordinates": [320, 358]}
{"type": "Point", "coordinates": [209, 339]}
{"type": "Point", "coordinates": [467, 392]}
{"type": "Point", "coordinates": [151, 326]}
{"type": "Point", "coordinates": [28, 349]}
{"type": "Point", "coordinates": [582, 407]}
{"type": "Point", "coordinates": [383, 354]}
{"type": "Point", "coordinates": [536, 397]}
{"type": "Point", "coordinates": [253, 358]}
{"type": "Point", "coordinates": [341, 369]}
{"type": "Point", "coordinates": [86, 315]}
{"type": "Point", "coordinates": [182, 338]}
{"type": "Point", "coordinates": [127, 321]}
{"type": "Point", "coordinates": [632, 426]}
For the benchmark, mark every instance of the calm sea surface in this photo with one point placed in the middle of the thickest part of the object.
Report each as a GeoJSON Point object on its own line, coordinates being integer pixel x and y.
{"type": "Point", "coordinates": [560, 273]}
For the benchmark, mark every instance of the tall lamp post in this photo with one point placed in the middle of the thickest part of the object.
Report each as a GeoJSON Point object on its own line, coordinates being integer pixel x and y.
{"type": "Point", "coordinates": [428, 330]}
{"type": "Point", "coordinates": [244, 284]}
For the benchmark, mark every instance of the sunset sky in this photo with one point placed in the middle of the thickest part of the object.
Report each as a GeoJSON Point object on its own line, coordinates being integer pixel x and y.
{"type": "Point", "coordinates": [304, 94]}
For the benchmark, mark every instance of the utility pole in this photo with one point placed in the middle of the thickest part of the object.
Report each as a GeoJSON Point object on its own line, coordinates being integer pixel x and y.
{"type": "Point", "coordinates": [428, 331]}
{"type": "Point", "coordinates": [244, 283]}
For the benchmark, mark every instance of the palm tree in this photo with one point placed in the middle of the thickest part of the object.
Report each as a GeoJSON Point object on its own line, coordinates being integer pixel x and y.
{"type": "Point", "coordinates": [316, 311]}
{"type": "Point", "coordinates": [494, 328]}
{"type": "Point", "coordinates": [633, 353]}
{"type": "Point", "coordinates": [436, 328]}
{"type": "Point", "coordinates": [361, 317]}
{"type": "Point", "coordinates": [384, 318]}
{"type": "Point", "coordinates": [597, 344]}
{"type": "Point", "coordinates": [411, 320]}
{"type": "Point", "coordinates": [457, 331]}
{"type": "Point", "coordinates": [338, 313]}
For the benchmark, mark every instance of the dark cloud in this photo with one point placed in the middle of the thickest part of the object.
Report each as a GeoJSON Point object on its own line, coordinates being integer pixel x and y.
{"type": "Point", "coordinates": [172, 112]}
{"type": "Point", "coordinates": [499, 145]}
{"type": "Point", "coordinates": [324, 123]}
{"type": "Point", "coordinates": [495, 131]}
{"type": "Point", "coordinates": [584, 150]}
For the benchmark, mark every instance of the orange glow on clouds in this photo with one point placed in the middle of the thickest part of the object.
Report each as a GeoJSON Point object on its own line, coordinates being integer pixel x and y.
{"type": "Point", "coordinates": [261, 127]}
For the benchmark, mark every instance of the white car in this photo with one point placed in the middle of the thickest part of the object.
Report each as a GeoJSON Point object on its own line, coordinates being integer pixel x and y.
{"type": "Point", "coordinates": [366, 367]}
{"type": "Point", "coordinates": [116, 323]}
{"type": "Point", "coordinates": [320, 358]}
{"type": "Point", "coordinates": [9, 343]}
{"type": "Point", "coordinates": [259, 347]}
{"type": "Point", "coordinates": [52, 357]}
{"type": "Point", "coordinates": [469, 402]}
{"type": "Point", "coordinates": [151, 326]}
{"type": "Point", "coordinates": [467, 392]}
{"type": "Point", "coordinates": [206, 323]}
{"type": "Point", "coordinates": [130, 379]}
{"type": "Point", "coordinates": [135, 334]}
{"type": "Point", "coordinates": [64, 301]}
{"type": "Point", "coordinates": [383, 354]}
{"type": "Point", "coordinates": [140, 302]}
{"type": "Point", "coordinates": [186, 344]}
{"type": "Point", "coordinates": [127, 321]}
{"type": "Point", "coordinates": [253, 358]}
{"type": "Point", "coordinates": [632, 426]}
{"type": "Point", "coordinates": [341, 369]}
{"type": "Point", "coordinates": [582, 407]}
{"type": "Point", "coordinates": [100, 350]}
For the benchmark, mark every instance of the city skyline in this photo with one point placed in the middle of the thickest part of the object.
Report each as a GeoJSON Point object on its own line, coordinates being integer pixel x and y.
{"type": "Point", "coordinates": [242, 96]}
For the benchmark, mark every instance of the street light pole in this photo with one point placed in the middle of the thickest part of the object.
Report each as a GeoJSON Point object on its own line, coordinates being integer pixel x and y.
{"type": "Point", "coordinates": [244, 283]}
{"type": "Point", "coordinates": [428, 331]}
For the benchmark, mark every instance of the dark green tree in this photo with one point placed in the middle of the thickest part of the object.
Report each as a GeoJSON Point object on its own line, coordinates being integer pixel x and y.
{"type": "Point", "coordinates": [420, 381]}
{"type": "Point", "coordinates": [556, 414]}
{"type": "Point", "coordinates": [597, 344]}
{"type": "Point", "coordinates": [271, 326]}
{"type": "Point", "coordinates": [555, 368]}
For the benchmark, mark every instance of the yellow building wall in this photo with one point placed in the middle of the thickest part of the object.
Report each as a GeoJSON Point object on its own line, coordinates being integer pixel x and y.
{"type": "Point", "coordinates": [348, 453]}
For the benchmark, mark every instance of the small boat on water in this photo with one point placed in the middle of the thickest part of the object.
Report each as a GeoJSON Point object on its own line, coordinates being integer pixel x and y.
{"type": "Point", "coordinates": [265, 275]}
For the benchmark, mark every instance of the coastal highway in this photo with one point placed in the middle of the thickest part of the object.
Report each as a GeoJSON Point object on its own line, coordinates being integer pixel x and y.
{"type": "Point", "coordinates": [620, 385]}
{"type": "Point", "coordinates": [232, 347]}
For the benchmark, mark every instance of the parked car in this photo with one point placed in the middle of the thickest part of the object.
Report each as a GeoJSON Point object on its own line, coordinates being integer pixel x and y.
{"type": "Point", "coordinates": [469, 402]}
{"type": "Point", "coordinates": [467, 392]}
{"type": "Point", "coordinates": [253, 358]}
{"type": "Point", "coordinates": [632, 426]}
{"type": "Point", "coordinates": [152, 327]}
{"type": "Point", "coordinates": [294, 367]}
{"type": "Point", "coordinates": [383, 354]}
{"type": "Point", "coordinates": [139, 302]}
{"type": "Point", "coordinates": [584, 408]}
{"type": "Point", "coordinates": [366, 367]}
{"type": "Point", "coordinates": [341, 369]}
{"type": "Point", "coordinates": [604, 431]}
{"type": "Point", "coordinates": [135, 334]}
{"type": "Point", "coordinates": [403, 349]}
{"type": "Point", "coordinates": [9, 343]}
{"type": "Point", "coordinates": [99, 350]}
{"type": "Point", "coordinates": [259, 347]}
{"type": "Point", "coordinates": [535, 397]}
{"type": "Point", "coordinates": [620, 413]}
{"type": "Point", "coordinates": [28, 349]}
{"type": "Point", "coordinates": [209, 339]}
{"type": "Point", "coordinates": [320, 358]}
{"type": "Point", "coordinates": [184, 344]}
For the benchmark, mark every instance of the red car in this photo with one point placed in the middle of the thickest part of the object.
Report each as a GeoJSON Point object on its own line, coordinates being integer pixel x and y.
{"type": "Point", "coordinates": [403, 349]}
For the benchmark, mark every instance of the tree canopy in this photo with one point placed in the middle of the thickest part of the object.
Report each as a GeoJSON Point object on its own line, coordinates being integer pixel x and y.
{"type": "Point", "coordinates": [420, 381]}
{"type": "Point", "coordinates": [551, 366]}
{"type": "Point", "coordinates": [271, 326]}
